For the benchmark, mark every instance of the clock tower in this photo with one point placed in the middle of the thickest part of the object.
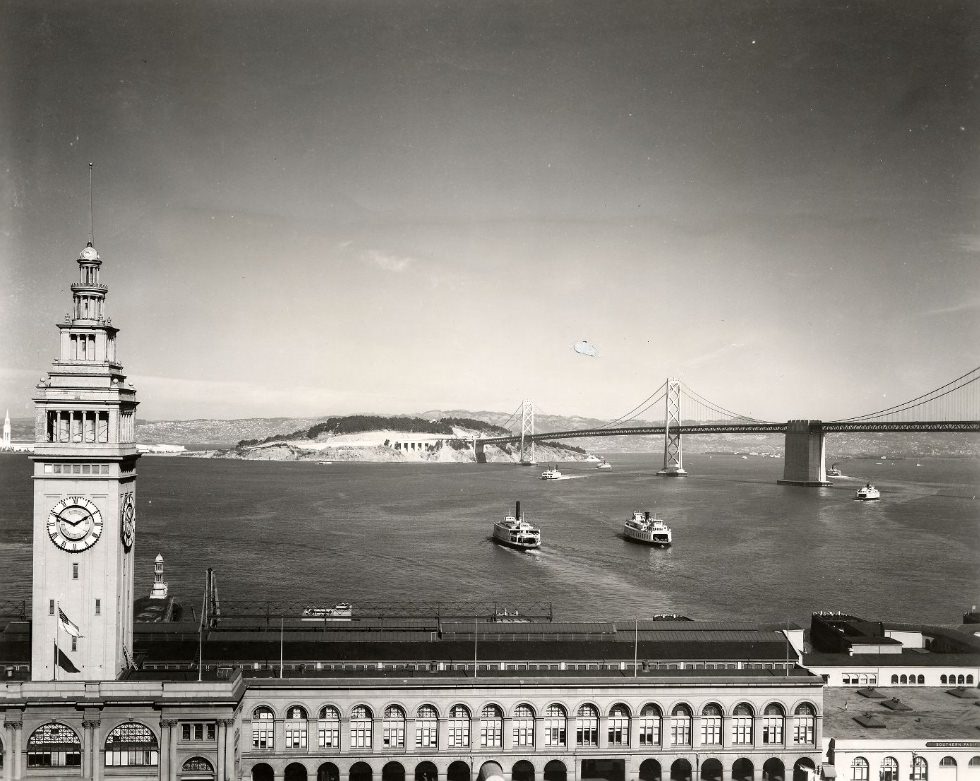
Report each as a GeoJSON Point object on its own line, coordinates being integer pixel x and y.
{"type": "Point", "coordinates": [84, 497]}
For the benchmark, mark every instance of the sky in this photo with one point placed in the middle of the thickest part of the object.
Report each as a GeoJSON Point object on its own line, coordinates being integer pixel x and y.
{"type": "Point", "coordinates": [314, 208]}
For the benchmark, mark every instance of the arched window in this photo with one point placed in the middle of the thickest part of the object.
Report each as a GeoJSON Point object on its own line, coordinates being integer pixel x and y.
{"type": "Point", "coordinates": [555, 770]}
{"type": "Point", "coordinates": [132, 745]}
{"type": "Point", "coordinates": [491, 726]}
{"type": "Point", "coordinates": [947, 762]}
{"type": "Point", "coordinates": [920, 679]}
{"type": "Point", "coordinates": [587, 726]}
{"type": "Point", "coordinates": [459, 727]}
{"type": "Point", "coordinates": [618, 724]}
{"type": "Point", "coordinates": [427, 727]}
{"type": "Point", "coordinates": [650, 717]}
{"type": "Point", "coordinates": [859, 769]}
{"type": "Point", "coordinates": [804, 724]}
{"type": "Point", "coordinates": [942, 679]}
{"type": "Point", "coordinates": [894, 678]}
{"type": "Point", "coordinates": [680, 727]}
{"type": "Point", "coordinates": [889, 769]}
{"type": "Point", "coordinates": [263, 728]}
{"type": "Point", "coordinates": [969, 679]}
{"type": "Point", "coordinates": [772, 723]}
{"type": "Point", "coordinates": [903, 679]}
{"type": "Point", "coordinates": [742, 724]}
{"type": "Point", "coordinates": [393, 728]}
{"type": "Point", "coordinates": [54, 745]}
{"type": "Point", "coordinates": [960, 679]}
{"type": "Point", "coordinates": [920, 768]}
{"type": "Point", "coordinates": [197, 768]}
{"type": "Point", "coordinates": [555, 723]}
{"type": "Point", "coordinates": [974, 762]}
{"type": "Point", "coordinates": [296, 728]}
{"type": "Point", "coordinates": [711, 724]}
{"type": "Point", "coordinates": [328, 727]}
{"type": "Point", "coordinates": [361, 728]}
{"type": "Point", "coordinates": [523, 725]}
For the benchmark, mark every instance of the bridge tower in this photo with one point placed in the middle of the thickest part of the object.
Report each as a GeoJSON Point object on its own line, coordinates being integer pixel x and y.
{"type": "Point", "coordinates": [805, 461]}
{"type": "Point", "coordinates": [673, 455]}
{"type": "Point", "coordinates": [527, 433]}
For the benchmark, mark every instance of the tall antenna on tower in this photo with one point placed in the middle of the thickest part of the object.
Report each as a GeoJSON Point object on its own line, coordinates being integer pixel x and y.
{"type": "Point", "coordinates": [91, 210]}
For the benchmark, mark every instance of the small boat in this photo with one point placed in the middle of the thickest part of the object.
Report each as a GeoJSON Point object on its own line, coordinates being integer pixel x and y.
{"type": "Point", "coordinates": [515, 532]}
{"type": "Point", "coordinates": [642, 528]}
{"type": "Point", "coordinates": [867, 493]}
{"type": "Point", "coordinates": [342, 611]}
{"type": "Point", "coordinates": [603, 465]}
{"type": "Point", "coordinates": [834, 471]}
{"type": "Point", "coordinates": [551, 474]}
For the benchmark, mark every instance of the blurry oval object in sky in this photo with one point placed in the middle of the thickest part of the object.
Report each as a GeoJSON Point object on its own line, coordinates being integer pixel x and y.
{"type": "Point", "coordinates": [584, 348]}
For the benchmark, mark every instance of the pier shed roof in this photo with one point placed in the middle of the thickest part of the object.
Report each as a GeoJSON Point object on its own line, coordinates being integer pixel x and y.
{"type": "Point", "coordinates": [933, 713]}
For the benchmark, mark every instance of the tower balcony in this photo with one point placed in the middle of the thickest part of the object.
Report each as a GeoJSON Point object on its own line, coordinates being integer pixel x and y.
{"type": "Point", "coordinates": [94, 287]}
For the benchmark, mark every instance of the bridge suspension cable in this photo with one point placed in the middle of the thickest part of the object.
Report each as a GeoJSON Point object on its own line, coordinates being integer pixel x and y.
{"type": "Point", "coordinates": [715, 408]}
{"type": "Point", "coordinates": [640, 408]}
{"type": "Point", "coordinates": [944, 406]}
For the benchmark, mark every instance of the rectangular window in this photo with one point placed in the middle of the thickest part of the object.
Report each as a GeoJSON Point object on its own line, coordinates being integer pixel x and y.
{"type": "Point", "coordinates": [50, 607]}
{"type": "Point", "coordinates": [185, 731]}
{"type": "Point", "coordinates": [198, 732]}
{"type": "Point", "coordinates": [74, 643]}
{"type": "Point", "coordinates": [211, 728]}
{"type": "Point", "coordinates": [74, 571]}
{"type": "Point", "coordinates": [98, 607]}
{"type": "Point", "coordinates": [711, 730]}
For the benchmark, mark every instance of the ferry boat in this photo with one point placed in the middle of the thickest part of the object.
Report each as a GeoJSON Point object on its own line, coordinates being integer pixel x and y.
{"type": "Point", "coordinates": [642, 528]}
{"type": "Point", "coordinates": [339, 612]}
{"type": "Point", "coordinates": [514, 532]}
{"type": "Point", "coordinates": [834, 471]}
{"type": "Point", "coordinates": [603, 465]}
{"type": "Point", "coordinates": [551, 474]}
{"type": "Point", "coordinates": [867, 493]}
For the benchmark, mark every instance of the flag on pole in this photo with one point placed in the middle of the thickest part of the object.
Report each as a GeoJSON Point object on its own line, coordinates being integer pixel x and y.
{"type": "Point", "coordinates": [61, 660]}
{"type": "Point", "coordinates": [67, 624]}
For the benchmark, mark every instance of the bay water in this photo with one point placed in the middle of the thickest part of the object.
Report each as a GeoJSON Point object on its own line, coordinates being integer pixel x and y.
{"type": "Point", "coordinates": [295, 534]}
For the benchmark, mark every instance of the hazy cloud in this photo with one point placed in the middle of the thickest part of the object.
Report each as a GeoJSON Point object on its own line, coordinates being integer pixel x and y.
{"type": "Point", "coordinates": [387, 261]}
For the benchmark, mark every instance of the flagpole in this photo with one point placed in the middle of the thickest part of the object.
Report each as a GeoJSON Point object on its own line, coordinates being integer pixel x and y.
{"type": "Point", "coordinates": [636, 643]}
{"type": "Point", "coordinates": [57, 623]}
{"type": "Point", "coordinates": [280, 646]}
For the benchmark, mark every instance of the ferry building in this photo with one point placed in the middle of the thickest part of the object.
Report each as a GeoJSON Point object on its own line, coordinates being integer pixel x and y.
{"type": "Point", "coordinates": [89, 694]}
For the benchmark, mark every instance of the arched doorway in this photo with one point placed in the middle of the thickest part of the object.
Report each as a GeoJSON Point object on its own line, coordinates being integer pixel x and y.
{"type": "Point", "coordinates": [555, 771]}
{"type": "Point", "coordinates": [393, 771]}
{"type": "Point", "coordinates": [650, 770]}
{"type": "Point", "coordinates": [522, 771]}
{"type": "Point", "coordinates": [328, 771]}
{"type": "Point", "coordinates": [711, 770]}
{"type": "Point", "coordinates": [490, 771]}
{"type": "Point", "coordinates": [295, 772]}
{"type": "Point", "coordinates": [197, 769]}
{"type": "Point", "coordinates": [360, 771]}
{"type": "Point", "coordinates": [680, 770]}
{"type": "Point", "coordinates": [773, 770]}
{"type": "Point", "coordinates": [263, 772]}
{"type": "Point", "coordinates": [743, 770]}
{"type": "Point", "coordinates": [458, 771]}
{"type": "Point", "coordinates": [804, 769]}
{"type": "Point", "coordinates": [426, 771]}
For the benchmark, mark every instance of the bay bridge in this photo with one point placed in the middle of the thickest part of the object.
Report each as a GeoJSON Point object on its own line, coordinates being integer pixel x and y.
{"type": "Point", "coordinates": [953, 407]}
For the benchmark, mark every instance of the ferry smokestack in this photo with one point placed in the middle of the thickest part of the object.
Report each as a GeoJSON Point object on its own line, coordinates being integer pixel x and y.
{"type": "Point", "coordinates": [517, 512]}
{"type": "Point", "coordinates": [646, 515]}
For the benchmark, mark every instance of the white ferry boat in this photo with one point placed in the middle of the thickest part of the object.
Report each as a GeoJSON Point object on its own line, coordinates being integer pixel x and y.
{"type": "Point", "coordinates": [834, 471]}
{"type": "Point", "coordinates": [867, 493]}
{"type": "Point", "coordinates": [551, 474]}
{"type": "Point", "coordinates": [603, 465]}
{"type": "Point", "coordinates": [642, 528]}
{"type": "Point", "coordinates": [514, 532]}
{"type": "Point", "coordinates": [339, 612]}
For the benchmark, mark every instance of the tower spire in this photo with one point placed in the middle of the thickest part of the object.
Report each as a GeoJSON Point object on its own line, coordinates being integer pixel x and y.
{"type": "Point", "coordinates": [91, 208]}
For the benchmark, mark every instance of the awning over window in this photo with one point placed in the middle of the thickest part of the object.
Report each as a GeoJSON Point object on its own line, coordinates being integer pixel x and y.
{"type": "Point", "coordinates": [828, 771]}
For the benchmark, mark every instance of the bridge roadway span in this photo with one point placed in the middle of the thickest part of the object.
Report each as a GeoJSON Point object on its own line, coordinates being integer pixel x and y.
{"type": "Point", "coordinates": [805, 453]}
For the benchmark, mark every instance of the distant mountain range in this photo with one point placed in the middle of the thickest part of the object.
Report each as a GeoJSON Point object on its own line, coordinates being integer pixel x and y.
{"type": "Point", "coordinates": [226, 433]}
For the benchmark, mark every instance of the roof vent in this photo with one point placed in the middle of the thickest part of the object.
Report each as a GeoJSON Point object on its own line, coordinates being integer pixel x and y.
{"type": "Point", "coordinates": [870, 720]}
{"type": "Point", "coordinates": [895, 704]}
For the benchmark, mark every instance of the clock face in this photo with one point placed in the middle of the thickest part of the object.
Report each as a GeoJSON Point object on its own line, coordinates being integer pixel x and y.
{"type": "Point", "coordinates": [74, 524]}
{"type": "Point", "coordinates": [128, 527]}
